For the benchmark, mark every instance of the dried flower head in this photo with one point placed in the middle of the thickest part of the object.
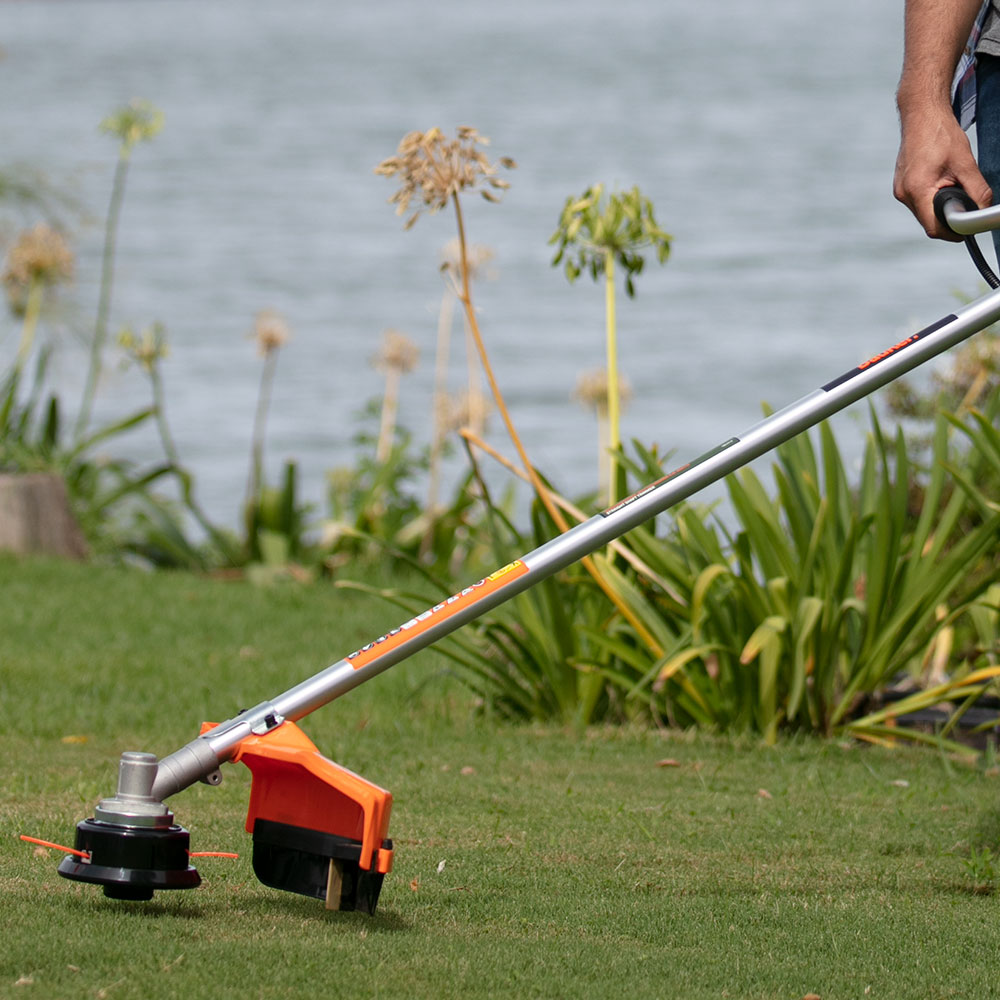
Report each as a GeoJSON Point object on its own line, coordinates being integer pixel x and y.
{"type": "Point", "coordinates": [397, 354]}
{"type": "Point", "coordinates": [148, 347]}
{"type": "Point", "coordinates": [464, 410]}
{"type": "Point", "coordinates": [136, 121]}
{"type": "Point", "coordinates": [477, 257]}
{"type": "Point", "coordinates": [270, 332]}
{"type": "Point", "coordinates": [40, 256]}
{"type": "Point", "coordinates": [434, 168]}
{"type": "Point", "coordinates": [592, 390]}
{"type": "Point", "coordinates": [40, 253]}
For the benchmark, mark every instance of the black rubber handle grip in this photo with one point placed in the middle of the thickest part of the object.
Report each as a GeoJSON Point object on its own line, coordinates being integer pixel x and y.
{"type": "Point", "coordinates": [949, 194]}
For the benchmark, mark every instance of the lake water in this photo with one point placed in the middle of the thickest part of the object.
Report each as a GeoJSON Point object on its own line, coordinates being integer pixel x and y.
{"type": "Point", "coordinates": [764, 135]}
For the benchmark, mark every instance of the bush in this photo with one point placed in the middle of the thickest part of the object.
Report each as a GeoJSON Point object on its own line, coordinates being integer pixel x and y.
{"type": "Point", "coordinates": [780, 611]}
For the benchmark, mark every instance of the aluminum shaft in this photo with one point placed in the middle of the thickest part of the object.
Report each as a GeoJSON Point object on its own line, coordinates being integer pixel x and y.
{"type": "Point", "coordinates": [203, 755]}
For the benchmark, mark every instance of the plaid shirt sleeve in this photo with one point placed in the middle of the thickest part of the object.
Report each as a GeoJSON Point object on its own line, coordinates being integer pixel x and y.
{"type": "Point", "coordinates": [963, 87]}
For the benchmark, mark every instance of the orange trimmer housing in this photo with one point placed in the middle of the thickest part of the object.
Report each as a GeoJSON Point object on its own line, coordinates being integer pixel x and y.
{"type": "Point", "coordinates": [318, 829]}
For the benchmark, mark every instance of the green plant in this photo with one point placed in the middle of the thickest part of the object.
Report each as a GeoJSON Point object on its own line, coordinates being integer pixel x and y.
{"type": "Point", "coordinates": [972, 468]}
{"type": "Point", "coordinates": [981, 870]}
{"type": "Point", "coordinates": [786, 612]}
{"type": "Point", "coordinates": [531, 659]}
{"type": "Point", "coordinates": [277, 521]}
{"type": "Point", "coordinates": [596, 232]}
{"type": "Point", "coordinates": [39, 260]}
{"type": "Point", "coordinates": [535, 657]}
{"type": "Point", "coordinates": [811, 599]}
{"type": "Point", "coordinates": [104, 492]}
{"type": "Point", "coordinates": [374, 502]}
{"type": "Point", "coordinates": [112, 498]}
{"type": "Point", "coordinates": [376, 511]}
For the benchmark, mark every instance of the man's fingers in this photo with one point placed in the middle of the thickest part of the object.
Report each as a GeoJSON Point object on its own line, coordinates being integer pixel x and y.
{"type": "Point", "coordinates": [977, 189]}
{"type": "Point", "coordinates": [975, 186]}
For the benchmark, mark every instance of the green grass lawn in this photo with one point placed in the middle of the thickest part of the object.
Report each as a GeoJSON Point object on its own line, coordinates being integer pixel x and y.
{"type": "Point", "coordinates": [530, 862]}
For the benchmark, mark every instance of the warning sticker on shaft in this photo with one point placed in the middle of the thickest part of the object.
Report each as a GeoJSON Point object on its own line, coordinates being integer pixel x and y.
{"type": "Point", "coordinates": [440, 612]}
{"type": "Point", "coordinates": [888, 353]}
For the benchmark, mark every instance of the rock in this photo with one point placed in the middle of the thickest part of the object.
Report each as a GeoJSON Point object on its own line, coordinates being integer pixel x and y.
{"type": "Point", "coordinates": [35, 517]}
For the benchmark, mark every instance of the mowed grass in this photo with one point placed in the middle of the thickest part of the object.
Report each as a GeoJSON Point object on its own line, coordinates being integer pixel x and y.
{"type": "Point", "coordinates": [530, 861]}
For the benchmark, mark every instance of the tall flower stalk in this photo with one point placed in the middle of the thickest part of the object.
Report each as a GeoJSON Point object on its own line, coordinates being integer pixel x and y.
{"type": "Point", "coordinates": [136, 122]}
{"type": "Point", "coordinates": [444, 407]}
{"type": "Point", "coordinates": [148, 348]}
{"type": "Point", "coordinates": [39, 259]}
{"type": "Point", "coordinates": [477, 258]}
{"type": "Point", "coordinates": [592, 390]}
{"type": "Point", "coordinates": [270, 333]}
{"type": "Point", "coordinates": [440, 403]}
{"type": "Point", "coordinates": [396, 357]}
{"type": "Point", "coordinates": [596, 233]}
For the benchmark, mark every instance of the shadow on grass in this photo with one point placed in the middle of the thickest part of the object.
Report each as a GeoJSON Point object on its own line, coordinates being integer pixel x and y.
{"type": "Point", "coordinates": [384, 921]}
{"type": "Point", "coordinates": [99, 904]}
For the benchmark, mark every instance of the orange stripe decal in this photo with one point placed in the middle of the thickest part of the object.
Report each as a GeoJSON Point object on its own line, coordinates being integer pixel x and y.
{"type": "Point", "coordinates": [440, 612]}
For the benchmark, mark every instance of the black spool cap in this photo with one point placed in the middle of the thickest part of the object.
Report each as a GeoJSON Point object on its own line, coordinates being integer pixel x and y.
{"type": "Point", "coordinates": [131, 862]}
{"type": "Point", "coordinates": [298, 859]}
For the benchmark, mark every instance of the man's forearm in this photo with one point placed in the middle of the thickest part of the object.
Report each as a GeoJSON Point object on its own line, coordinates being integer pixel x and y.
{"type": "Point", "coordinates": [935, 34]}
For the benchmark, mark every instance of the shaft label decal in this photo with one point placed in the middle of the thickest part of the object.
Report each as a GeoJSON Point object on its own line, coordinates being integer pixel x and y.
{"type": "Point", "coordinates": [440, 612]}
{"type": "Point", "coordinates": [622, 504]}
{"type": "Point", "coordinates": [888, 353]}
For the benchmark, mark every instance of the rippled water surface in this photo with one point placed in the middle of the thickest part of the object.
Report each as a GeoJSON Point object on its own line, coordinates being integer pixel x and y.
{"type": "Point", "coordinates": [764, 136]}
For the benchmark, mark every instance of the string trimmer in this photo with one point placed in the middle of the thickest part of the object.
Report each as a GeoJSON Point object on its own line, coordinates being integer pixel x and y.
{"type": "Point", "coordinates": [319, 829]}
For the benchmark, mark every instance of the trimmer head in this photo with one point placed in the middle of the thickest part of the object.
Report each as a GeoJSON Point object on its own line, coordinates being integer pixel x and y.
{"type": "Point", "coordinates": [131, 862]}
{"type": "Point", "coordinates": [132, 846]}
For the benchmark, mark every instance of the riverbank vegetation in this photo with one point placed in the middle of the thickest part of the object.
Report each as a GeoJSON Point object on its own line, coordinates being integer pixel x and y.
{"type": "Point", "coordinates": [817, 599]}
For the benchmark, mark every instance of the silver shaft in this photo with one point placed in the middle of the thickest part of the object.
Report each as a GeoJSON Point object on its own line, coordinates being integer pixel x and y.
{"type": "Point", "coordinates": [203, 755]}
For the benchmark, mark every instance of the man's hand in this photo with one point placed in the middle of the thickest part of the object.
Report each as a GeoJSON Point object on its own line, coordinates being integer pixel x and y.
{"type": "Point", "coordinates": [935, 153]}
